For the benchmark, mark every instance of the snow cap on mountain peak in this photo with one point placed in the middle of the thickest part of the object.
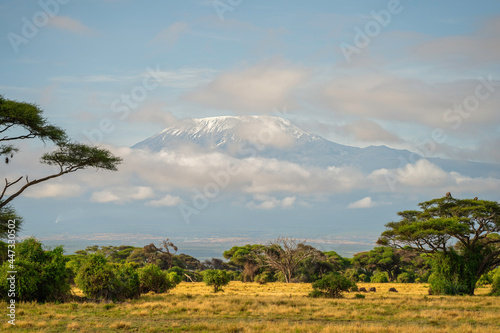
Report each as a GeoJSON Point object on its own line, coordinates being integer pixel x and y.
{"type": "Point", "coordinates": [267, 130]}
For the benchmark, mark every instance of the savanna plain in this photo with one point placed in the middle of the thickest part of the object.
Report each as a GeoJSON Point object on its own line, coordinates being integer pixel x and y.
{"type": "Point", "coordinates": [271, 307]}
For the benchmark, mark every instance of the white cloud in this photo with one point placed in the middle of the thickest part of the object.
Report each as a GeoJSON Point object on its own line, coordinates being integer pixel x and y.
{"type": "Point", "coordinates": [409, 100]}
{"type": "Point", "coordinates": [366, 202]}
{"type": "Point", "coordinates": [266, 202]}
{"type": "Point", "coordinates": [423, 174]}
{"type": "Point", "coordinates": [260, 89]}
{"type": "Point", "coordinates": [270, 183]}
{"type": "Point", "coordinates": [52, 190]}
{"type": "Point", "coordinates": [187, 169]}
{"type": "Point", "coordinates": [123, 194]}
{"type": "Point", "coordinates": [267, 133]}
{"type": "Point", "coordinates": [69, 24]}
{"type": "Point", "coordinates": [478, 48]}
{"type": "Point", "coordinates": [141, 193]}
{"type": "Point", "coordinates": [104, 196]}
{"type": "Point", "coordinates": [288, 201]}
{"type": "Point", "coordinates": [166, 201]}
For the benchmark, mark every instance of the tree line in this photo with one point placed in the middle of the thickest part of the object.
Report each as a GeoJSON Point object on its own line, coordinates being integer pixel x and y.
{"type": "Point", "coordinates": [122, 272]}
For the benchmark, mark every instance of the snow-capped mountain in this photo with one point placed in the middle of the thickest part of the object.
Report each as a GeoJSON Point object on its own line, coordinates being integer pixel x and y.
{"type": "Point", "coordinates": [240, 136]}
{"type": "Point", "coordinates": [222, 132]}
{"type": "Point", "coordinates": [277, 138]}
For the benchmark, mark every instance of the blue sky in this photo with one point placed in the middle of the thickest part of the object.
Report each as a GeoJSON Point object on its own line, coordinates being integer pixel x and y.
{"type": "Point", "coordinates": [422, 76]}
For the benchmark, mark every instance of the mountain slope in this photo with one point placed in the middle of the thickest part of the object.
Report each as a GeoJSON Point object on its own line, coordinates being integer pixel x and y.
{"type": "Point", "coordinates": [277, 138]}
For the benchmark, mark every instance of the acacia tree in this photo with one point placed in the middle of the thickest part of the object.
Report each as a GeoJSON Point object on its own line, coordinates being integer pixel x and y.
{"type": "Point", "coordinates": [24, 121]}
{"type": "Point", "coordinates": [382, 258]}
{"type": "Point", "coordinates": [285, 254]}
{"type": "Point", "coordinates": [457, 233]}
{"type": "Point", "coordinates": [246, 258]}
{"type": "Point", "coordinates": [161, 255]}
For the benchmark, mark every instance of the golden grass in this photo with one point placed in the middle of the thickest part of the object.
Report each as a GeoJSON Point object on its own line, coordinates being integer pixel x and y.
{"type": "Point", "coordinates": [73, 326]}
{"type": "Point", "coordinates": [274, 307]}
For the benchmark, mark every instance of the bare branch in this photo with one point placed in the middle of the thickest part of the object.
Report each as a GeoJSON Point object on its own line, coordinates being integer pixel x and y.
{"type": "Point", "coordinates": [7, 185]}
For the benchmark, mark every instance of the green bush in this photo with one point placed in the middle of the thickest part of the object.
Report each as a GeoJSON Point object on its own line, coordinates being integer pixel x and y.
{"type": "Point", "coordinates": [152, 278]}
{"type": "Point", "coordinates": [96, 278]}
{"type": "Point", "coordinates": [279, 277]}
{"type": "Point", "coordinates": [423, 277]}
{"type": "Point", "coordinates": [353, 275]}
{"type": "Point", "coordinates": [234, 275]}
{"type": "Point", "coordinates": [127, 283]}
{"type": "Point", "coordinates": [360, 296]}
{"type": "Point", "coordinates": [331, 285]}
{"type": "Point", "coordinates": [495, 284]}
{"type": "Point", "coordinates": [363, 278]}
{"type": "Point", "coordinates": [174, 278]}
{"type": "Point", "coordinates": [215, 278]}
{"type": "Point", "coordinates": [406, 277]}
{"type": "Point", "coordinates": [487, 278]}
{"type": "Point", "coordinates": [176, 269]}
{"type": "Point", "coordinates": [263, 278]}
{"type": "Point", "coordinates": [380, 277]}
{"type": "Point", "coordinates": [449, 274]}
{"type": "Point", "coordinates": [440, 285]}
{"type": "Point", "coordinates": [41, 275]}
{"type": "Point", "coordinates": [316, 294]}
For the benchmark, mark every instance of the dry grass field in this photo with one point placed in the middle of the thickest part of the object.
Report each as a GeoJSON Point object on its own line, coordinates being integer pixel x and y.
{"type": "Point", "coordinates": [274, 307]}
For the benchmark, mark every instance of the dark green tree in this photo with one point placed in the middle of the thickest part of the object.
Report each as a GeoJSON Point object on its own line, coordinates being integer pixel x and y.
{"type": "Point", "coordinates": [319, 264]}
{"type": "Point", "coordinates": [29, 120]}
{"type": "Point", "coordinates": [162, 256]}
{"type": "Point", "coordinates": [247, 258]}
{"type": "Point", "coordinates": [457, 232]}
{"type": "Point", "coordinates": [24, 121]}
{"type": "Point", "coordinates": [240, 255]}
{"type": "Point", "coordinates": [137, 256]}
{"type": "Point", "coordinates": [186, 261]}
{"type": "Point", "coordinates": [381, 258]}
